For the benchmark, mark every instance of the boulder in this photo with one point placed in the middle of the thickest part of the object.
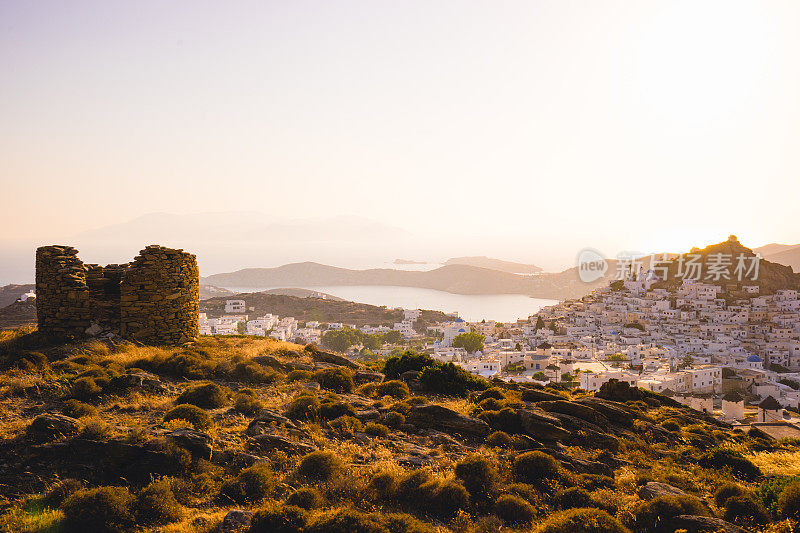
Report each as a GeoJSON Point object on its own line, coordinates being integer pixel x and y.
{"type": "Point", "coordinates": [584, 412]}
{"type": "Point", "coordinates": [536, 395]}
{"type": "Point", "coordinates": [235, 521]}
{"type": "Point", "coordinates": [368, 414]}
{"type": "Point", "coordinates": [140, 380]}
{"type": "Point", "coordinates": [52, 426]}
{"type": "Point", "coordinates": [199, 444]}
{"type": "Point", "coordinates": [706, 524]}
{"type": "Point", "coordinates": [437, 417]}
{"type": "Point", "coordinates": [615, 412]}
{"type": "Point", "coordinates": [237, 458]}
{"type": "Point", "coordinates": [367, 376]}
{"type": "Point", "coordinates": [654, 489]}
{"type": "Point", "coordinates": [269, 441]}
{"type": "Point", "coordinates": [270, 361]}
{"type": "Point", "coordinates": [541, 426]}
{"type": "Point", "coordinates": [266, 420]}
{"type": "Point", "coordinates": [334, 358]}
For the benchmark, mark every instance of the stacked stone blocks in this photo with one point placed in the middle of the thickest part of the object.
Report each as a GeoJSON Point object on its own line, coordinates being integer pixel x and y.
{"type": "Point", "coordinates": [153, 300]}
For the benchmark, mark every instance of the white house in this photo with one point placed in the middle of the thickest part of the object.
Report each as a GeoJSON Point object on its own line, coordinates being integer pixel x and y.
{"type": "Point", "coordinates": [235, 306]}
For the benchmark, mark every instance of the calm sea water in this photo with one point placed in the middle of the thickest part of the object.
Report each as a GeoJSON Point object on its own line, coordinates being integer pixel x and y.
{"type": "Point", "coordinates": [499, 307]}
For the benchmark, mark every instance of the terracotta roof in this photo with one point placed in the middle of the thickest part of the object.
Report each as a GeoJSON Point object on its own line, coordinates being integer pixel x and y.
{"type": "Point", "coordinates": [770, 404]}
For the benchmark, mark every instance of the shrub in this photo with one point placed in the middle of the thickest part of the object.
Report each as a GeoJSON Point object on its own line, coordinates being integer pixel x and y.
{"type": "Point", "coordinates": [402, 523]}
{"type": "Point", "coordinates": [102, 509]}
{"type": "Point", "coordinates": [769, 491]}
{"type": "Point", "coordinates": [726, 491]}
{"type": "Point", "coordinates": [156, 504]}
{"type": "Point", "coordinates": [383, 485]}
{"type": "Point", "coordinates": [346, 426]}
{"type": "Point", "coordinates": [252, 372]}
{"type": "Point", "coordinates": [393, 419]}
{"type": "Point", "coordinates": [252, 485]}
{"type": "Point", "coordinates": [345, 520]}
{"type": "Point", "coordinates": [95, 429]}
{"type": "Point", "coordinates": [247, 404]}
{"type": "Point", "coordinates": [299, 375]}
{"type": "Point", "coordinates": [499, 439]}
{"type": "Point", "coordinates": [338, 379]}
{"type": "Point", "coordinates": [494, 393]}
{"type": "Point", "coordinates": [306, 498]}
{"type": "Point", "coordinates": [595, 481]}
{"type": "Point", "coordinates": [449, 498]}
{"type": "Point", "coordinates": [657, 515]}
{"type": "Point", "coordinates": [61, 491]}
{"type": "Point", "coordinates": [85, 388]}
{"type": "Point", "coordinates": [320, 465]}
{"type": "Point", "coordinates": [573, 497]}
{"type": "Point", "coordinates": [478, 474]}
{"type": "Point", "coordinates": [303, 407]}
{"type": "Point", "coordinates": [329, 410]}
{"type": "Point", "coordinates": [789, 501]}
{"type": "Point", "coordinates": [513, 510]}
{"type": "Point", "coordinates": [723, 458]}
{"type": "Point", "coordinates": [378, 430]}
{"type": "Point", "coordinates": [670, 425]}
{"type": "Point", "coordinates": [745, 511]}
{"type": "Point", "coordinates": [191, 365]}
{"type": "Point", "coordinates": [395, 366]}
{"type": "Point", "coordinates": [582, 521]}
{"type": "Point", "coordinates": [451, 380]}
{"type": "Point", "coordinates": [535, 467]}
{"type": "Point", "coordinates": [490, 404]}
{"type": "Point", "coordinates": [416, 488]}
{"type": "Point", "coordinates": [206, 395]}
{"type": "Point", "coordinates": [279, 519]}
{"type": "Point", "coordinates": [394, 388]}
{"type": "Point", "coordinates": [191, 413]}
{"type": "Point", "coordinates": [78, 409]}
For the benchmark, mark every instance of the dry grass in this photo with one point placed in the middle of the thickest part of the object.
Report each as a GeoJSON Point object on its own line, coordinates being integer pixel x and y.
{"type": "Point", "coordinates": [784, 463]}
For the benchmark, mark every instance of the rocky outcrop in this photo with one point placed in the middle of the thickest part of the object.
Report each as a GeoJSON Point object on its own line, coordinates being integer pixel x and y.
{"type": "Point", "coordinates": [199, 444]}
{"type": "Point", "coordinates": [267, 442]}
{"type": "Point", "coordinates": [654, 489]}
{"type": "Point", "coordinates": [706, 524]}
{"type": "Point", "coordinates": [52, 426]}
{"type": "Point", "coordinates": [444, 419]}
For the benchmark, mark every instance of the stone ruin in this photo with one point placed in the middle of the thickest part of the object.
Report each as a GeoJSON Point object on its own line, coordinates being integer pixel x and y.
{"type": "Point", "coordinates": [152, 300]}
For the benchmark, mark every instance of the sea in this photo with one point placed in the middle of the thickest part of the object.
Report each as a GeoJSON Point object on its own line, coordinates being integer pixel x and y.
{"type": "Point", "coordinates": [472, 308]}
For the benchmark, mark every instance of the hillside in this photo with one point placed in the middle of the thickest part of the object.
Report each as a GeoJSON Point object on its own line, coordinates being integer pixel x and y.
{"type": "Point", "coordinates": [18, 314]}
{"type": "Point", "coordinates": [495, 264]}
{"type": "Point", "coordinates": [306, 309]}
{"type": "Point", "coordinates": [10, 293]}
{"type": "Point", "coordinates": [790, 256]}
{"type": "Point", "coordinates": [248, 434]}
{"type": "Point", "coordinates": [771, 276]}
{"type": "Point", "coordinates": [456, 279]}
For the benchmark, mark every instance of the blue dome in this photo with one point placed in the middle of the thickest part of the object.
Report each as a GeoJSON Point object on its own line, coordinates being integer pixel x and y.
{"type": "Point", "coordinates": [459, 320]}
{"type": "Point", "coordinates": [462, 330]}
{"type": "Point", "coordinates": [754, 359]}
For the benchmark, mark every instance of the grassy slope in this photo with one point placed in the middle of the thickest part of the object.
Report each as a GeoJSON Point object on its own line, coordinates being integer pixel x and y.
{"type": "Point", "coordinates": [136, 417]}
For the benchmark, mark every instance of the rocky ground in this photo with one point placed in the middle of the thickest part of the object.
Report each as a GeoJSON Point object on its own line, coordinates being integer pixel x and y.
{"type": "Point", "coordinates": [249, 434]}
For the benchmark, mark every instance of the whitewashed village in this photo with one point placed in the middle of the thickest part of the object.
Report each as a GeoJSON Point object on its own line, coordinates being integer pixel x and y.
{"type": "Point", "coordinates": [739, 361]}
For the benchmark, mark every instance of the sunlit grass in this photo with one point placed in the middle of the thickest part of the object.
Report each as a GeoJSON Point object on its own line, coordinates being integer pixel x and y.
{"type": "Point", "coordinates": [32, 516]}
{"type": "Point", "coordinates": [785, 463]}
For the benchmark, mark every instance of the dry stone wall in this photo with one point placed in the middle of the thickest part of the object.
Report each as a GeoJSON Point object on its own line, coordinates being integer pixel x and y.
{"type": "Point", "coordinates": [153, 300]}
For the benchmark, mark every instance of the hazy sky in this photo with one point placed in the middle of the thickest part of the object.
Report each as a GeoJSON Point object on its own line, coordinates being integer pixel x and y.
{"type": "Point", "coordinates": [537, 125]}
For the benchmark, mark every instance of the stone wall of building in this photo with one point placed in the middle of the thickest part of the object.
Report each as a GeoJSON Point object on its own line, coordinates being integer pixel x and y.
{"type": "Point", "coordinates": [153, 300]}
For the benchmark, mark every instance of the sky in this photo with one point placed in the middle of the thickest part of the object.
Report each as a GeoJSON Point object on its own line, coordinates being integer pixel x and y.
{"type": "Point", "coordinates": [526, 130]}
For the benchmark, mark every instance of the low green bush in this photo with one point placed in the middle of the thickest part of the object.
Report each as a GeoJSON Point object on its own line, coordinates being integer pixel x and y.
{"type": "Point", "coordinates": [320, 465]}
{"type": "Point", "coordinates": [196, 416]}
{"type": "Point", "coordinates": [247, 404]}
{"type": "Point", "coordinates": [383, 485]}
{"type": "Point", "coordinates": [745, 511]}
{"type": "Point", "coordinates": [332, 409]}
{"type": "Point", "coordinates": [535, 468]}
{"type": "Point", "coordinates": [299, 375]}
{"type": "Point", "coordinates": [719, 458]}
{"type": "Point", "coordinates": [59, 492]}
{"type": "Point", "coordinates": [393, 419]}
{"type": "Point", "coordinates": [205, 395]}
{"type": "Point", "coordinates": [500, 439]}
{"type": "Point", "coordinates": [395, 366]}
{"type": "Point", "coordinates": [345, 520]}
{"type": "Point", "coordinates": [658, 514]}
{"type": "Point", "coordinates": [450, 380]}
{"type": "Point", "coordinates": [84, 388]}
{"type": "Point", "coordinates": [252, 485]}
{"type": "Point", "coordinates": [279, 519]}
{"type": "Point", "coordinates": [571, 498]}
{"type": "Point", "coordinates": [479, 475]}
{"type": "Point", "coordinates": [156, 505]}
{"type": "Point", "coordinates": [394, 388]}
{"type": "Point", "coordinates": [306, 498]}
{"type": "Point", "coordinates": [78, 409]}
{"type": "Point", "coordinates": [102, 509]}
{"type": "Point", "coordinates": [338, 379]}
{"type": "Point", "coordinates": [789, 501]}
{"type": "Point", "coordinates": [346, 426]}
{"type": "Point", "coordinates": [513, 510]}
{"type": "Point", "coordinates": [588, 520]}
{"type": "Point", "coordinates": [375, 429]}
{"type": "Point", "coordinates": [303, 407]}
{"type": "Point", "coordinates": [726, 491]}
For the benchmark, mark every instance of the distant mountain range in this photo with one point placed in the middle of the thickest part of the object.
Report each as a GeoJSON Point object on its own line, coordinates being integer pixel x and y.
{"type": "Point", "coordinates": [784, 254]}
{"type": "Point", "coordinates": [456, 279]}
{"type": "Point", "coordinates": [495, 264]}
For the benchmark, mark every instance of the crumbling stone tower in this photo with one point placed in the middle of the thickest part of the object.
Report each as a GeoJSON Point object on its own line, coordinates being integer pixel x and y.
{"type": "Point", "coordinates": [153, 300]}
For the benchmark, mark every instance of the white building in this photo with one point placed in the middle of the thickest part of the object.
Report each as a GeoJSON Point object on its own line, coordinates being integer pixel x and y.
{"type": "Point", "coordinates": [235, 306]}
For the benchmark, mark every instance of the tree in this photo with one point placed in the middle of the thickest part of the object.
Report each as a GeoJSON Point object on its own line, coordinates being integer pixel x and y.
{"type": "Point", "coordinates": [539, 376]}
{"type": "Point", "coordinates": [518, 347]}
{"type": "Point", "coordinates": [471, 342]}
{"type": "Point", "coordinates": [391, 337]}
{"type": "Point", "coordinates": [539, 324]}
{"type": "Point", "coordinates": [340, 339]}
{"type": "Point", "coordinates": [241, 327]}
